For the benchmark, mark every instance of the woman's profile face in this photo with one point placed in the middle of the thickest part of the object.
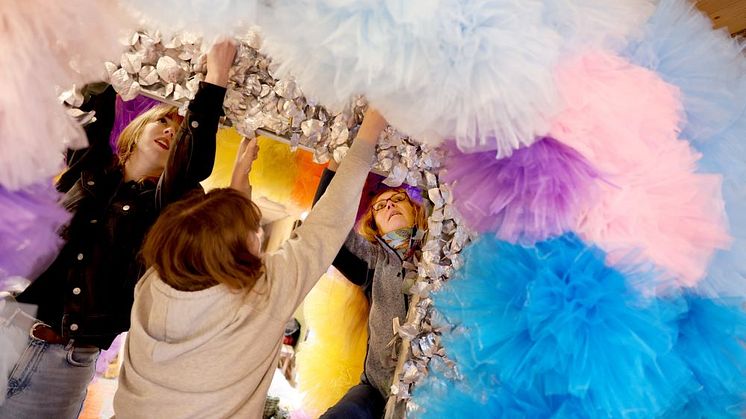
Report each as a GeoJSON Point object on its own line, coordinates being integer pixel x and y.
{"type": "Point", "coordinates": [392, 210]}
{"type": "Point", "coordinates": [156, 141]}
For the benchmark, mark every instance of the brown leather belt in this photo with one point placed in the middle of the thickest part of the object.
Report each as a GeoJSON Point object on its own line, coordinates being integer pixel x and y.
{"type": "Point", "coordinates": [43, 332]}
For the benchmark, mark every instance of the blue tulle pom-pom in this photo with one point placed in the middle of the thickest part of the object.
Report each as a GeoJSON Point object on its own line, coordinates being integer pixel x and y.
{"type": "Point", "coordinates": [711, 342]}
{"type": "Point", "coordinates": [551, 331]}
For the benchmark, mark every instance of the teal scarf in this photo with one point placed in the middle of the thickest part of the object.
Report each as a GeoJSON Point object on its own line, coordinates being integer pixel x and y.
{"type": "Point", "coordinates": [399, 240]}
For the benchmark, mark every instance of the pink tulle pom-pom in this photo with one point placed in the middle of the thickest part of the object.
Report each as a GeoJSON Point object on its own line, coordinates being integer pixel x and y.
{"type": "Point", "coordinates": [653, 207]}
{"type": "Point", "coordinates": [48, 45]}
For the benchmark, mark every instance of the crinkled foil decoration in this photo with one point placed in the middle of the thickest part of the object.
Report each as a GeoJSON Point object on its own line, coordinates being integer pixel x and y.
{"type": "Point", "coordinates": [439, 257]}
{"type": "Point", "coordinates": [256, 100]}
{"type": "Point", "coordinates": [170, 69]}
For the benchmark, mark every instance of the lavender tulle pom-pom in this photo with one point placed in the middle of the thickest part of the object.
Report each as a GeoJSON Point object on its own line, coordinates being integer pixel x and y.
{"type": "Point", "coordinates": [29, 238]}
{"type": "Point", "coordinates": [536, 193]}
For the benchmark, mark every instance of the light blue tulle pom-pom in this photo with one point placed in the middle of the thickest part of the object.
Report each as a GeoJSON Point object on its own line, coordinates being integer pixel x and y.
{"type": "Point", "coordinates": [479, 72]}
{"type": "Point", "coordinates": [726, 275]}
{"type": "Point", "coordinates": [708, 66]}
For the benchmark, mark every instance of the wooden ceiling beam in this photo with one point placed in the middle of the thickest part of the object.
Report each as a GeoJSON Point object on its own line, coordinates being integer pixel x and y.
{"type": "Point", "coordinates": [730, 14]}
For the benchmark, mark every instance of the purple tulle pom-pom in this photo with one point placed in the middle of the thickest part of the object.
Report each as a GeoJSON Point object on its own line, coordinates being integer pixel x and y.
{"type": "Point", "coordinates": [532, 195]}
{"type": "Point", "coordinates": [29, 240]}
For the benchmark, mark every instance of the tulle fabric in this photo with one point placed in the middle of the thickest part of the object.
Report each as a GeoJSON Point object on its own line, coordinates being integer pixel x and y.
{"type": "Point", "coordinates": [552, 331]}
{"type": "Point", "coordinates": [710, 69]}
{"type": "Point", "coordinates": [624, 120]}
{"type": "Point", "coordinates": [29, 227]}
{"type": "Point", "coordinates": [476, 71]}
{"type": "Point", "coordinates": [726, 275]}
{"type": "Point", "coordinates": [711, 342]}
{"type": "Point", "coordinates": [48, 45]}
{"type": "Point", "coordinates": [708, 66]}
{"type": "Point", "coordinates": [210, 18]}
{"type": "Point", "coordinates": [330, 361]}
{"type": "Point", "coordinates": [536, 193]}
{"type": "Point", "coordinates": [107, 356]}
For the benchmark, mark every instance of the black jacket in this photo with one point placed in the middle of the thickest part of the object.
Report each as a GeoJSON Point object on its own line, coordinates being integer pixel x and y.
{"type": "Point", "coordinates": [87, 292]}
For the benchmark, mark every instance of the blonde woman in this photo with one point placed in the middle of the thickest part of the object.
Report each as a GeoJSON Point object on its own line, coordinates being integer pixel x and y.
{"type": "Point", "coordinates": [84, 297]}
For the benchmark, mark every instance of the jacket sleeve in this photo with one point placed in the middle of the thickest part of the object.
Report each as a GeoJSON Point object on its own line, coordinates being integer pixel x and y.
{"type": "Point", "coordinates": [101, 98]}
{"type": "Point", "coordinates": [191, 158]}
{"type": "Point", "coordinates": [296, 267]}
{"type": "Point", "coordinates": [357, 256]}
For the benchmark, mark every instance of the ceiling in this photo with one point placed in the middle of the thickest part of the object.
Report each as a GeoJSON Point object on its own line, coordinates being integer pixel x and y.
{"type": "Point", "coordinates": [730, 14]}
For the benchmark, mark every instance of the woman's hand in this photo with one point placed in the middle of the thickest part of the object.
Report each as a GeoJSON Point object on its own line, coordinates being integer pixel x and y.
{"type": "Point", "coordinates": [371, 128]}
{"type": "Point", "coordinates": [219, 62]}
{"type": "Point", "coordinates": [247, 153]}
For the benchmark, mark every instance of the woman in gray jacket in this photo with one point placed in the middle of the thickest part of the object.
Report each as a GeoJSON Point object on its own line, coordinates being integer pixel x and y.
{"type": "Point", "coordinates": [373, 258]}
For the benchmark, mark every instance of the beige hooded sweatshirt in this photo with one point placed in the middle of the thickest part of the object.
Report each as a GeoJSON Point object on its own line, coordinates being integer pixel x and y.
{"type": "Point", "coordinates": [212, 353]}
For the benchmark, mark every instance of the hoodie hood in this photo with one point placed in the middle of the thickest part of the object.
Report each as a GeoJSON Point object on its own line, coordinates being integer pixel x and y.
{"type": "Point", "coordinates": [194, 339]}
{"type": "Point", "coordinates": [178, 322]}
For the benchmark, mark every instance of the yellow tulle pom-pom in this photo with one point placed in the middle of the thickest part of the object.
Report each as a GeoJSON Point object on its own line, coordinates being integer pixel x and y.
{"type": "Point", "coordinates": [331, 360]}
{"type": "Point", "coordinates": [278, 174]}
{"type": "Point", "coordinates": [227, 141]}
{"type": "Point", "coordinates": [309, 175]}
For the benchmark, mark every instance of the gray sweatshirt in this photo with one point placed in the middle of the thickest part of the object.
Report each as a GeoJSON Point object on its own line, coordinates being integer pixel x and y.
{"type": "Point", "coordinates": [212, 353]}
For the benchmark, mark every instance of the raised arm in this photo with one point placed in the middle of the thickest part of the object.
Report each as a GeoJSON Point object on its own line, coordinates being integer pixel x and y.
{"type": "Point", "coordinates": [296, 267]}
{"type": "Point", "coordinates": [99, 97]}
{"type": "Point", "coordinates": [354, 259]}
{"type": "Point", "coordinates": [247, 153]}
{"type": "Point", "coordinates": [192, 157]}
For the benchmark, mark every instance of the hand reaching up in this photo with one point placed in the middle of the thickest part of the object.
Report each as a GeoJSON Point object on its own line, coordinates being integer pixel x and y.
{"type": "Point", "coordinates": [247, 153]}
{"type": "Point", "coordinates": [219, 62]}
{"type": "Point", "coordinates": [371, 128]}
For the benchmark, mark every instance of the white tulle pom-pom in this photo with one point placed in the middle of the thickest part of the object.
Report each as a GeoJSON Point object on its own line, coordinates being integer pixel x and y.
{"type": "Point", "coordinates": [211, 18]}
{"type": "Point", "coordinates": [471, 70]}
{"type": "Point", "coordinates": [48, 46]}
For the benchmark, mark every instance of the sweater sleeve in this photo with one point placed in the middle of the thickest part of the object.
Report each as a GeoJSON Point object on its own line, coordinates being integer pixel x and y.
{"type": "Point", "coordinates": [356, 256]}
{"type": "Point", "coordinates": [296, 267]}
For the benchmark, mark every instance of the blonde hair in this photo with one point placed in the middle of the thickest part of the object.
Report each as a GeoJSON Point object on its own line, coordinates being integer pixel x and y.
{"type": "Point", "coordinates": [367, 227]}
{"type": "Point", "coordinates": [202, 241]}
{"type": "Point", "coordinates": [132, 132]}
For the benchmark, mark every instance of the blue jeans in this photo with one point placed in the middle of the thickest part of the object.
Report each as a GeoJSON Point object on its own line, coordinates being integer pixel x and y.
{"type": "Point", "coordinates": [49, 381]}
{"type": "Point", "coordinates": [361, 402]}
